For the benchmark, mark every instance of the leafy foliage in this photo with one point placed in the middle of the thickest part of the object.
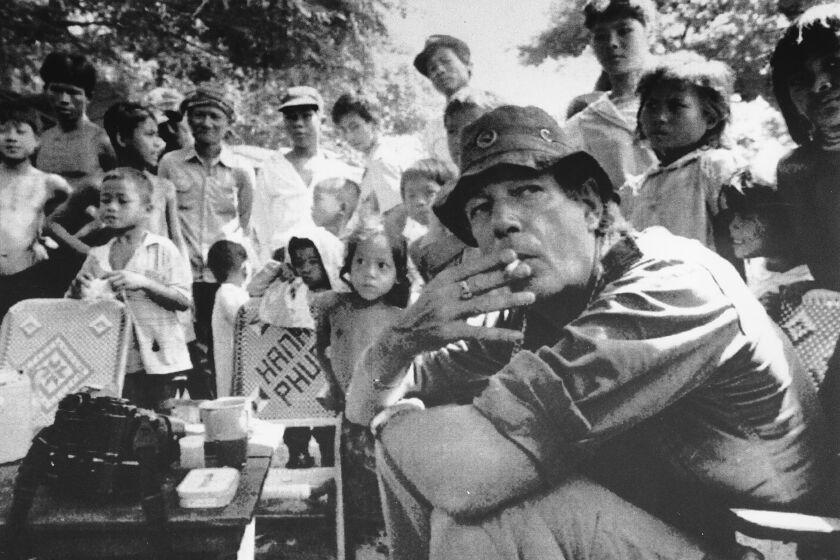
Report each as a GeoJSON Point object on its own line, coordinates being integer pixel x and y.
{"type": "Point", "coordinates": [257, 47]}
{"type": "Point", "coordinates": [741, 33]}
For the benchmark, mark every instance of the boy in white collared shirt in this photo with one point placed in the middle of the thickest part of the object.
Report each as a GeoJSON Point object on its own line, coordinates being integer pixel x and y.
{"type": "Point", "coordinates": [149, 274]}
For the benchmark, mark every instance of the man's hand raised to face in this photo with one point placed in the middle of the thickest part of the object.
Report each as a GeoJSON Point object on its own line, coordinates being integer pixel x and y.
{"type": "Point", "coordinates": [469, 289]}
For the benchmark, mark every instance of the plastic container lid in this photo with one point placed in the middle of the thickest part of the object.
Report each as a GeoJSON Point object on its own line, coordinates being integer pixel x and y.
{"type": "Point", "coordinates": [208, 488]}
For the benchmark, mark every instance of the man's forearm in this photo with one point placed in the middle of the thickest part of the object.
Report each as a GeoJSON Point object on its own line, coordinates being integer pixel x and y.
{"type": "Point", "coordinates": [380, 377]}
{"type": "Point", "coordinates": [457, 460]}
{"type": "Point", "coordinates": [245, 198]}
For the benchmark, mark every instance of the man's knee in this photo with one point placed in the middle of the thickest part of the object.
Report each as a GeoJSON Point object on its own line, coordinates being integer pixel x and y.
{"type": "Point", "coordinates": [451, 538]}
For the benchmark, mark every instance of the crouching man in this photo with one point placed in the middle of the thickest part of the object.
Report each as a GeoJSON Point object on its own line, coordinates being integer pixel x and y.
{"type": "Point", "coordinates": [623, 390]}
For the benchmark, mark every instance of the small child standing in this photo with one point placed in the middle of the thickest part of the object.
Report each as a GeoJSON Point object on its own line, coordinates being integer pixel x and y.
{"type": "Point", "coordinates": [760, 234]}
{"type": "Point", "coordinates": [420, 186]}
{"type": "Point", "coordinates": [133, 131]}
{"type": "Point", "coordinates": [27, 197]}
{"type": "Point", "coordinates": [306, 268]}
{"type": "Point", "coordinates": [684, 110]}
{"type": "Point", "coordinates": [376, 269]}
{"type": "Point", "coordinates": [228, 263]}
{"type": "Point", "coordinates": [334, 202]}
{"type": "Point", "coordinates": [149, 274]}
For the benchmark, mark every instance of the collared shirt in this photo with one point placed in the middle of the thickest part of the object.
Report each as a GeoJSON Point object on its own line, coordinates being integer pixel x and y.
{"type": "Point", "coordinates": [208, 195]}
{"type": "Point", "coordinates": [159, 345]}
{"type": "Point", "coordinates": [385, 163]}
{"type": "Point", "coordinates": [229, 298]}
{"type": "Point", "coordinates": [671, 344]}
{"type": "Point", "coordinates": [606, 132]}
{"type": "Point", "coordinates": [682, 196]}
{"type": "Point", "coordinates": [283, 202]}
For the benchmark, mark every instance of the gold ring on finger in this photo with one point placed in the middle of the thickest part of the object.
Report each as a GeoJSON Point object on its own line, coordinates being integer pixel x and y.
{"type": "Point", "coordinates": [466, 292]}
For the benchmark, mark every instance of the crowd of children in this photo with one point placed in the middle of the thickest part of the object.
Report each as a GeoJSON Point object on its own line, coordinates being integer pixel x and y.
{"type": "Point", "coordinates": [104, 212]}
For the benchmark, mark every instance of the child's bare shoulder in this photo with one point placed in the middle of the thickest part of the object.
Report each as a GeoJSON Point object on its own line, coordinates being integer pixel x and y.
{"type": "Point", "coordinates": [328, 301]}
{"type": "Point", "coordinates": [35, 179]}
{"type": "Point", "coordinates": [55, 182]}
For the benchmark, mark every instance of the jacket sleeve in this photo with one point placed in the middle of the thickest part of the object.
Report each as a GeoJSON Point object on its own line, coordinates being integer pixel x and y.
{"type": "Point", "coordinates": [459, 371]}
{"type": "Point", "coordinates": [645, 342]}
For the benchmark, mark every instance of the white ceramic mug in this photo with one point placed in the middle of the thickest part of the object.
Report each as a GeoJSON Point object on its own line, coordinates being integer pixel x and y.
{"type": "Point", "coordinates": [226, 419]}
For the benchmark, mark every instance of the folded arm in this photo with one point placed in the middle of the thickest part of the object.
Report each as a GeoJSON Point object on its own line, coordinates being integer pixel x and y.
{"type": "Point", "coordinates": [458, 460]}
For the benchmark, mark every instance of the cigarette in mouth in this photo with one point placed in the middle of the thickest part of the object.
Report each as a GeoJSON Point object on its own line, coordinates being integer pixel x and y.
{"type": "Point", "coordinates": [512, 266]}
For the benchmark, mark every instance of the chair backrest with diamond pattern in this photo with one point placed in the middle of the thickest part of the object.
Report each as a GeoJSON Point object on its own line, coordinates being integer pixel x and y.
{"type": "Point", "coordinates": [280, 364]}
{"type": "Point", "coordinates": [65, 345]}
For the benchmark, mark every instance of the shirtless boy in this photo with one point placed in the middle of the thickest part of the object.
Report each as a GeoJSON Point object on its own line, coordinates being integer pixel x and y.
{"type": "Point", "coordinates": [27, 195]}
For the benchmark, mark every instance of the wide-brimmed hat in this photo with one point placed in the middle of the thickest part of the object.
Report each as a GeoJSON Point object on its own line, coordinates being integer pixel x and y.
{"type": "Point", "coordinates": [525, 137]}
{"type": "Point", "coordinates": [435, 42]}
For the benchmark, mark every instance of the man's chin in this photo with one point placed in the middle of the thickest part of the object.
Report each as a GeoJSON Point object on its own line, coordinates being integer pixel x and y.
{"type": "Point", "coordinates": [13, 160]}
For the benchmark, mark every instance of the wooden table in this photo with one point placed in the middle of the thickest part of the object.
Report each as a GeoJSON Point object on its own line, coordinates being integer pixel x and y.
{"type": "Point", "coordinates": [64, 528]}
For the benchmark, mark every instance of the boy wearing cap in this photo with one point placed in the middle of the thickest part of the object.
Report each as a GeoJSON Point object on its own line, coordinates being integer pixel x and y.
{"type": "Point", "coordinates": [214, 189]}
{"type": "Point", "coordinates": [602, 414]}
{"type": "Point", "coordinates": [302, 108]}
{"type": "Point", "coordinates": [621, 31]}
{"type": "Point", "coordinates": [446, 62]}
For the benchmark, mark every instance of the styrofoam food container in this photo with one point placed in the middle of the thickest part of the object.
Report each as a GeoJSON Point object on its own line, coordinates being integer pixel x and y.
{"type": "Point", "coordinates": [208, 488]}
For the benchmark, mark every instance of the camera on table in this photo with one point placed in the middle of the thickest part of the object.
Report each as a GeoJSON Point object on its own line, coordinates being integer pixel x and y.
{"type": "Point", "coordinates": [97, 445]}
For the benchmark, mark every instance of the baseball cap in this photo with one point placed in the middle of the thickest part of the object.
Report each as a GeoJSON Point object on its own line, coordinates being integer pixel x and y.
{"type": "Point", "coordinates": [302, 96]}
